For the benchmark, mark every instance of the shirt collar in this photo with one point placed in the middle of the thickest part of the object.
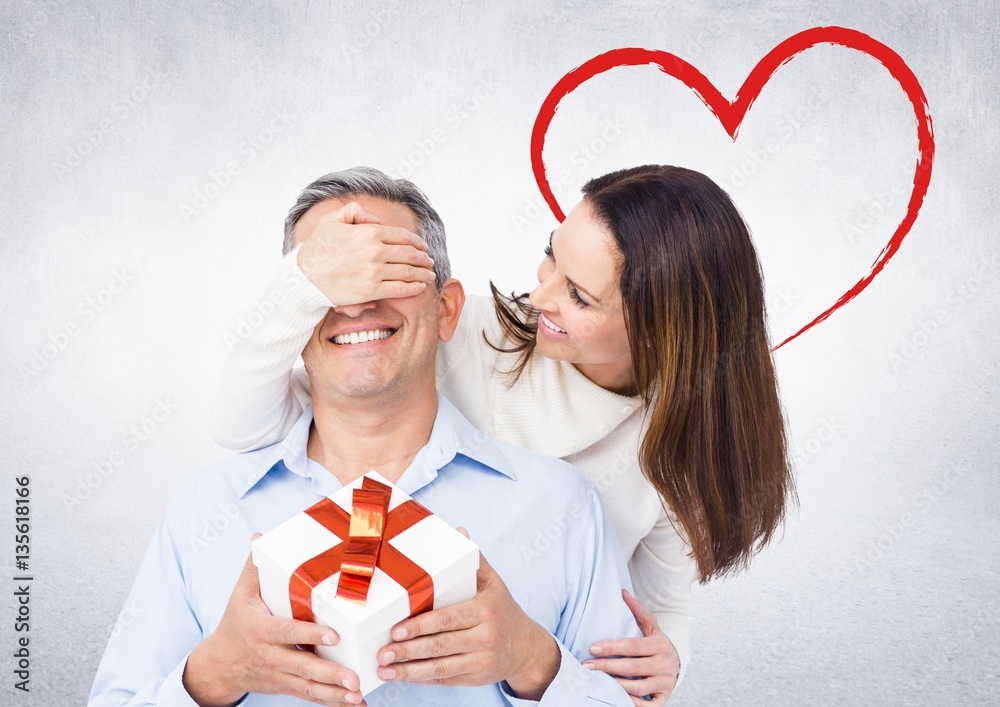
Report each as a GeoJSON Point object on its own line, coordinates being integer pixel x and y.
{"type": "Point", "coordinates": [451, 435]}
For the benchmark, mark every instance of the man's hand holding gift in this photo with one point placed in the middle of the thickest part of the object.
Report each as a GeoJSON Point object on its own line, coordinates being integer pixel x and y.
{"type": "Point", "coordinates": [253, 651]}
{"type": "Point", "coordinates": [485, 640]}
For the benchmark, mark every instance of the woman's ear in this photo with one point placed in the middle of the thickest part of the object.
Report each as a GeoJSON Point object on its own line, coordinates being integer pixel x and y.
{"type": "Point", "coordinates": [451, 299]}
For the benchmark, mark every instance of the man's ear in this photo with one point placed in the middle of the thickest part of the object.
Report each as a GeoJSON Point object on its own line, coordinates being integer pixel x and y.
{"type": "Point", "coordinates": [451, 299]}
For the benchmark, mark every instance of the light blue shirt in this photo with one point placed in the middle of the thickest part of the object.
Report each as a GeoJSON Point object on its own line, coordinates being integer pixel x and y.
{"type": "Point", "coordinates": [537, 520]}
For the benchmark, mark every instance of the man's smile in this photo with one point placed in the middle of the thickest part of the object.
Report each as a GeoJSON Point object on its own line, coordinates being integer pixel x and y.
{"type": "Point", "coordinates": [362, 337]}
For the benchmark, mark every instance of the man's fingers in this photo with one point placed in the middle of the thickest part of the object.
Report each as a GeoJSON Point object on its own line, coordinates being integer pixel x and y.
{"type": "Point", "coordinates": [318, 692]}
{"type": "Point", "coordinates": [486, 575]}
{"type": "Point", "coordinates": [248, 583]}
{"type": "Point", "coordinates": [291, 632]}
{"type": "Point", "coordinates": [640, 647]}
{"type": "Point", "coordinates": [447, 670]}
{"type": "Point", "coordinates": [435, 646]}
{"type": "Point", "coordinates": [307, 665]}
{"type": "Point", "coordinates": [456, 617]}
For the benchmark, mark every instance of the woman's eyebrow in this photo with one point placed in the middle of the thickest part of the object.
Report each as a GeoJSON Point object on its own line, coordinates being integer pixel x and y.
{"type": "Point", "coordinates": [581, 289]}
{"type": "Point", "coordinates": [597, 300]}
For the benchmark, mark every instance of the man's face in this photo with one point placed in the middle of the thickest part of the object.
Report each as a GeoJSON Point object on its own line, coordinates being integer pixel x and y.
{"type": "Point", "coordinates": [398, 357]}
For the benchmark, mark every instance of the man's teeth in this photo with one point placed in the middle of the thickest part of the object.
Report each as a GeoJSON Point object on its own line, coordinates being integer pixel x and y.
{"type": "Point", "coordinates": [547, 322]}
{"type": "Point", "coordinates": [360, 337]}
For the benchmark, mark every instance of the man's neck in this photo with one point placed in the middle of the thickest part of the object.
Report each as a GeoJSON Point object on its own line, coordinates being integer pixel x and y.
{"type": "Point", "coordinates": [351, 437]}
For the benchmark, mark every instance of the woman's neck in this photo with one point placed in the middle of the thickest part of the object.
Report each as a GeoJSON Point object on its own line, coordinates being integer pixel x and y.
{"type": "Point", "coordinates": [616, 377]}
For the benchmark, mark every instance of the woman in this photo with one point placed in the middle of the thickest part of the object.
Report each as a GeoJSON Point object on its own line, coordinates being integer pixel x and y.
{"type": "Point", "coordinates": [641, 358]}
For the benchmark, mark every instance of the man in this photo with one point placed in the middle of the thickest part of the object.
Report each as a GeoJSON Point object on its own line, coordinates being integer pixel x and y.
{"type": "Point", "coordinates": [196, 639]}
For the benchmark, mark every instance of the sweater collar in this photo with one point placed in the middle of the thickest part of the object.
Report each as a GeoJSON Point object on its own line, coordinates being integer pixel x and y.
{"type": "Point", "coordinates": [573, 411]}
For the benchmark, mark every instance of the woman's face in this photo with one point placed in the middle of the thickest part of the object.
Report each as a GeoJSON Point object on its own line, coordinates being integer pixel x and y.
{"type": "Point", "coordinates": [581, 318]}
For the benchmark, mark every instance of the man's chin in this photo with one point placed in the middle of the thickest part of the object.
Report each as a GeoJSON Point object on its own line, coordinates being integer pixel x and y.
{"type": "Point", "coordinates": [358, 383]}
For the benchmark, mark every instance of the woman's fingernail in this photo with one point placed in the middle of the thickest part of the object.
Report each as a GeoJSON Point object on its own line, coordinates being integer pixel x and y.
{"type": "Point", "coordinates": [388, 673]}
{"type": "Point", "coordinates": [349, 683]}
{"type": "Point", "coordinates": [590, 666]}
{"type": "Point", "coordinates": [389, 657]}
{"type": "Point", "coordinates": [595, 649]}
{"type": "Point", "coordinates": [399, 634]}
{"type": "Point", "coordinates": [328, 640]}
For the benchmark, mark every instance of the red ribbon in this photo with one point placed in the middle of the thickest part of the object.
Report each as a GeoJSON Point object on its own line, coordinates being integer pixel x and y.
{"type": "Point", "coordinates": [363, 551]}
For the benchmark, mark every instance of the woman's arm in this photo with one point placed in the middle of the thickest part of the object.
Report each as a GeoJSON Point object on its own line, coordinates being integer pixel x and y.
{"type": "Point", "coordinates": [346, 259]}
{"type": "Point", "coordinates": [260, 396]}
{"type": "Point", "coordinates": [662, 573]}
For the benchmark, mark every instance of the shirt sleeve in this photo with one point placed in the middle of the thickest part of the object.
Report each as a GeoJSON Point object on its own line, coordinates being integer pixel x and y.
{"type": "Point", "coordinates": [144, 660]}
{"type": "Point", "coordinates": [260, 396]}
{"type": "Point", "coordinates": [663, 573]}
{"type": "Point", "coordinates": [596, 611]}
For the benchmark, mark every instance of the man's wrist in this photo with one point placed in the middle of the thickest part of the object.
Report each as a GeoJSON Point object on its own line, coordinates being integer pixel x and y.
{"type": "Point", "coordinates": [539, 668]}
{"type": "Point", "coordinates": [204, 683]}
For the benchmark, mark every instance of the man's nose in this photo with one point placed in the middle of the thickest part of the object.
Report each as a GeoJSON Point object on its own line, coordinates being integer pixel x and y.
{"type": "Point", "coordinates": [355, 310]}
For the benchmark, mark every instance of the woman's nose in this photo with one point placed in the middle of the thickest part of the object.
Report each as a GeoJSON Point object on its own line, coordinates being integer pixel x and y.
{"type": "Point", "coordinates": [540, 296]}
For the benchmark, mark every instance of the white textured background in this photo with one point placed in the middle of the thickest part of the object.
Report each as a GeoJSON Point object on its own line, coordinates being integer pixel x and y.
{"type": "Point", "coordinates": [119, 117]}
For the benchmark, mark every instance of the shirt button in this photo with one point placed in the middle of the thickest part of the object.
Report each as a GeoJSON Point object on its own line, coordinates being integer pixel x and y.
{"type": "Point", "coordinates": [627, 409]}
{"type": "Point", "coordinates": [603, 429]}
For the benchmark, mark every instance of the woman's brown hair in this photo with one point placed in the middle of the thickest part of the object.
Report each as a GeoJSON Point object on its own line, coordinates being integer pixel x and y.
{"type": "Point", "coordinates": [693, 298]}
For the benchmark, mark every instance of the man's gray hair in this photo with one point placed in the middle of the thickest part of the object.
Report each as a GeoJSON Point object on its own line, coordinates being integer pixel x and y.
{"type": "Point", "coordinates": [368, 181]}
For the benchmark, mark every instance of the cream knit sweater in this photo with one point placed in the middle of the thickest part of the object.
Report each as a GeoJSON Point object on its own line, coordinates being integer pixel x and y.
{"type": "Point", "coordinates": [552, 409]}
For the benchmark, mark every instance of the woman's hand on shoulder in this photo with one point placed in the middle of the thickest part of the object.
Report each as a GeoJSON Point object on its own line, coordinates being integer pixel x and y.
{"type": "Point", "coordinates": [352, 259]}
{"type": "Point", "coordinates": [647, 666]}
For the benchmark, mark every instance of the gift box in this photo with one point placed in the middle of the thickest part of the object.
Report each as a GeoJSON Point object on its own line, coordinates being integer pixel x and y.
{"type": "Point", "coordinates": [361, 561]}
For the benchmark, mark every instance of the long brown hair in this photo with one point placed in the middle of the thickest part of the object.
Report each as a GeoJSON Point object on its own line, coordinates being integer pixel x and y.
{"type": "Point", "coordinates": [693, 299]}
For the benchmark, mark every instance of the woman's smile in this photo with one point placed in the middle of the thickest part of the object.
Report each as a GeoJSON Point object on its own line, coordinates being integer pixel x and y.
{"type": "Point", "coordinates": [549, 328]}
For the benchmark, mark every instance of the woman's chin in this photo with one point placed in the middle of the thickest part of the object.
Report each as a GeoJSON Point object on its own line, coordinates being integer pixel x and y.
{"type": "Point", "coordinates": [549, 348]}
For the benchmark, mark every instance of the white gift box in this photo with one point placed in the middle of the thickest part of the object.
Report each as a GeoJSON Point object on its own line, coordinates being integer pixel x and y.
{"type": "Point", "coordinates": [450, 559]}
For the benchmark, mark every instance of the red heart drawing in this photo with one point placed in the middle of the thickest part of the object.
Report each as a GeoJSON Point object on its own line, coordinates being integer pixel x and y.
{"type": "Point", "coordinates": [731, 114]}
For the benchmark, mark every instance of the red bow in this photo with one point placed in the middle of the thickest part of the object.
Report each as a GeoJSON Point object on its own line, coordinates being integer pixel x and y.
{"type": "Point", "coordinates": [365, 532]}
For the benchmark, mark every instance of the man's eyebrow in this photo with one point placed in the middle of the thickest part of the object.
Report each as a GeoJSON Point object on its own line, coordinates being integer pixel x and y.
{"type": "Point", "coordinates": [576, 286]}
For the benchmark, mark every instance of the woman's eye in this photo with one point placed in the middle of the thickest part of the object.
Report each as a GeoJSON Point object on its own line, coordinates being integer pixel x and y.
{"type": "Point", "coordinates": [548, 251]}
{"type": "Point", "coordinates": [575, 296]}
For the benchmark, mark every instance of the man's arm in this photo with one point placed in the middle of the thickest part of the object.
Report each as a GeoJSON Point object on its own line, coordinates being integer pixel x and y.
{"type": "Point", "coordinates": [145, 656]}
{"type": "Point", "coordinates": [595, 610]}
{"type": "Point", "coordinates": [157, 655]}
{"type": "Point", "coordinates": [252, 651]}
{"type": "Point", "coordinates": [490, 639]}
